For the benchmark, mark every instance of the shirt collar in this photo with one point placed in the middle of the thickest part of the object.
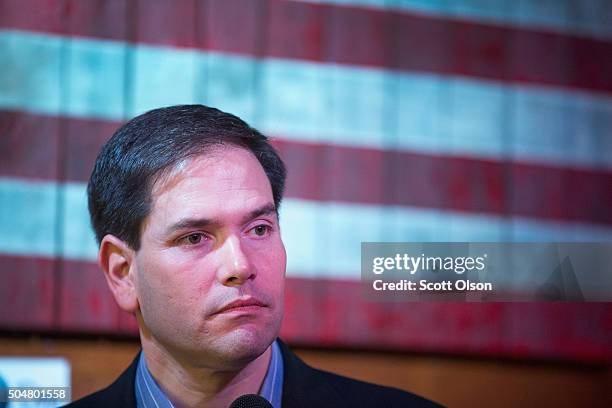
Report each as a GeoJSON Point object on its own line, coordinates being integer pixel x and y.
{"type": "Point", "coordinates": [150, 395]}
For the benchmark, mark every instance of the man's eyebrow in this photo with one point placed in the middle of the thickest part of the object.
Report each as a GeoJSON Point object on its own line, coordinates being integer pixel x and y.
{"type": "Point", "coordinates": [188, 223]}
{"type": "Point", "coordinates": [267, 209]}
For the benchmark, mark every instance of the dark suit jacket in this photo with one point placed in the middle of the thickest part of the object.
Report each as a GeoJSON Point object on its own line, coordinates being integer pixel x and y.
{"type": "Point", "coordinates": [303, 386]}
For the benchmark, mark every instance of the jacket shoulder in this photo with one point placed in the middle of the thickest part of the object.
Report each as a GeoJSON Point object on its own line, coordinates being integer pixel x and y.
{"type": "Point", "coordinates": [101, 398]}
{"type": "Point", "coordinates": [119, 394]}
{"type": "Point", "coordinates": [305, 386]}
{"type": "Point", "coordinates": [361, 393]}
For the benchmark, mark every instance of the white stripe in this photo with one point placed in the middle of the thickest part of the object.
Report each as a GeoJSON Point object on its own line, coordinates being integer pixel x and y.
{"type": "Point", "coordinates": [585, 17]}
{"type": "Point", "coordinates": [322, 239]}
{"type": "Point", "coordinates": [36, 204]}
{"type": "Point", "coordinates": [274, 367]}
{"type": "Point", "coordinates": [139, 388]}
{"type": "Point", "coordinates": [151, 393]}
{"type": "Point", "coordinates": [311, 102]}
{"type": "Point", "coordinates": [268, 388]}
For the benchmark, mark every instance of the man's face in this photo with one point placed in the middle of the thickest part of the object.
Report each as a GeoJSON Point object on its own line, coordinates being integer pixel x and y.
{"type": "Point", "coordinates": [212, 238]}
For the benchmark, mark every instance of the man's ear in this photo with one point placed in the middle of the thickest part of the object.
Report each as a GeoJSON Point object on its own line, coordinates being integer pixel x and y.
{"type": "Point", "coordinates": [116, 259]}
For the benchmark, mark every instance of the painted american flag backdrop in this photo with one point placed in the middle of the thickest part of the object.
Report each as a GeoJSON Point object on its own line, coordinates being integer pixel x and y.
{"type": "Point", "coordinates": [413, 120]}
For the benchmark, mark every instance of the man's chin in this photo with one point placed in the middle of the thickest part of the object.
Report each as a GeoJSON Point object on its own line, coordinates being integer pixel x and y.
{"type": "Point", "coordinates": [241, 346]}
{"type": "Point", "coordinates": [247, 342]}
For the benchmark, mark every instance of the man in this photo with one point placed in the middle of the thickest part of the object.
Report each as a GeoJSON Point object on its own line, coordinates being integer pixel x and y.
{"type": "Point", "coordinates": [184, 202]}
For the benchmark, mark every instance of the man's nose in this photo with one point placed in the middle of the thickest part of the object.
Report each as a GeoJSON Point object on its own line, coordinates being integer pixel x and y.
{"type": "Point", "coordinates": [235, 268]}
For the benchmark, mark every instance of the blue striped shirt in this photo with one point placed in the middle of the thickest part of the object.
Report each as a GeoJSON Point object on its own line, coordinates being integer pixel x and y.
{"type": "Point", "coordinates": [150, 395]}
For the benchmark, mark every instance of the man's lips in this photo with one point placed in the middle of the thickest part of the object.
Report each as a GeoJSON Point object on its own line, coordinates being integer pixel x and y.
{"type": "Point", "coordinates": [246, 304]}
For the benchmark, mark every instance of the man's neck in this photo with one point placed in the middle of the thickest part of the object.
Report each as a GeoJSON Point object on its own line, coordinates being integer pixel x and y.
{"type": "Point", "coordinates": [190, 386]}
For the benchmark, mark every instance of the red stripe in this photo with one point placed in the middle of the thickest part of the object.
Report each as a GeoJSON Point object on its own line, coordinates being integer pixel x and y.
{"type": "Point", "coordinates": [325, 172]}
{"type": "Point", "coordinates": [27, 293]}
{"type": "Point", "coordinates": [86, 303]}
{"type": "Point", "coordinates": [56, 294]}
{"type": "Point", "coordinates": [384, 177]}
{"type": "Point", "coordinates": [29, 145]}
{"type": "Point", "coordinates": [331, 33]}
{"type": "Point", "coordinates": [31, 142]}
{"type": "Point", "coordinates": [332, 313]}
{"type": "Point", "coordinates": [329, 313]}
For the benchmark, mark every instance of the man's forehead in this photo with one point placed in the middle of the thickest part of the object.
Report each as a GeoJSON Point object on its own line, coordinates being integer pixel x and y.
{"type": "Point", "coordinates": [247, 215]}
{"type": "Point", "coordinates": [227, 181]}
{"type": "Point", "coordinates": [215, 165]}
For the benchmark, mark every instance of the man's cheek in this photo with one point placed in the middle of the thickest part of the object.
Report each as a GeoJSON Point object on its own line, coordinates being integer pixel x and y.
{"type": "Point", "coordinates": [154, 294]}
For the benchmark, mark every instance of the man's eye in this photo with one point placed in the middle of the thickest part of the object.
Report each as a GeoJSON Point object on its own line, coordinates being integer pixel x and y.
{"type": "Point", "coordinates": [192, 239]}
{"type": "Point", "coordinates": [261, 230]}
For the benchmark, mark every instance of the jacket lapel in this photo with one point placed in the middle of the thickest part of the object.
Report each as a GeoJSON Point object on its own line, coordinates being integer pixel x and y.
{"type": "Point", "coordinates": [121, 392]}
{"type": "Point", "coordinates": [305, 386]}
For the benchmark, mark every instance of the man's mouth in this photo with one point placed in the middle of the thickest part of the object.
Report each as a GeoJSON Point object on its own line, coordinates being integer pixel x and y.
{"type": "Point", "coordinates": [245, 305]}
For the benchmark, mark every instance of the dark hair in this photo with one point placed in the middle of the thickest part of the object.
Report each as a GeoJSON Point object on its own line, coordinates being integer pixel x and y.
{"type": "Point", "coordinates": [129, 164]}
